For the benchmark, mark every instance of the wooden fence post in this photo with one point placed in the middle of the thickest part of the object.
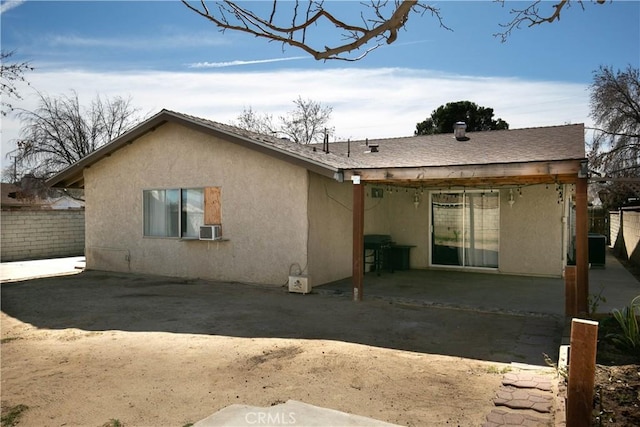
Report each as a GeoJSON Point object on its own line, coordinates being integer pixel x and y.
{"type": "Point", "coordinates": [582, 370]}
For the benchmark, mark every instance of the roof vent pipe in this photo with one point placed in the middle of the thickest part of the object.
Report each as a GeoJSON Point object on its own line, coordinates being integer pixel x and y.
{"type": "Point", "coordinates": [459, 131]}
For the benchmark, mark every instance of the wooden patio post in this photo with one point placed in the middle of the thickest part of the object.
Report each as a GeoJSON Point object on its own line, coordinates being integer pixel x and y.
{"type": "Point", "coordinates": [570, 302]}
{"type": "Point", "coordinates": [582, 371]}
{"type": "Point", "coordinates": [358, 239]}
{"type": "Point", "coordinates": [582, 247]}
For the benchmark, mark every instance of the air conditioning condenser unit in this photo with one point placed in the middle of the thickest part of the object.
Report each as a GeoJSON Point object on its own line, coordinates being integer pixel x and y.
{"type": "Point", "coordinates": [210, 232]}
{"type": "Point", "coordinates": [299, 284]}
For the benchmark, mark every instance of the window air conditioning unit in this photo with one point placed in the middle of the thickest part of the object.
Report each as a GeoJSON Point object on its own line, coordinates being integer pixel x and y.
{"type": "Point", "coordinates": [210, 232]}
{"type": "Point", "coordinates": [299, 284]}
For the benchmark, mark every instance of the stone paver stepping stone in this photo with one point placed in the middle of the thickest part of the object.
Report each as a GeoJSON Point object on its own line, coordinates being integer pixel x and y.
{"type": "Point", "coordinates": [526, 380]}
{"type": "Point", "coordinates": [516, 398]}
{"type": "Point", "coordinates": [502, 418]}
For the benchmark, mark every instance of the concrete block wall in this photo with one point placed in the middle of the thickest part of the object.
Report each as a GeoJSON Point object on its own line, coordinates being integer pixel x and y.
{"type": "Point", "coordinates": [614, 227]}
{"type": "Point", "coordinates": [631, 231]}
{"type": "Point", "coordinates": [34, 234]}
{"type": "Point", "coordinates": [624, 228]}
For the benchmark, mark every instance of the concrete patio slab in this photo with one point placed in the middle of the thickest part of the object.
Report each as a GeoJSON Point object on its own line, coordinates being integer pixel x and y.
{"type": "Point", "coordinates": [484, 292]}
{"type": "Point", "coordinates": [492, 293]}
{"type": "Point", "coordinates": [33, 269]}
{"type": "Point", "coordinates": [291, 413]}
{"type": "Point", "coordinates": [614, 282]}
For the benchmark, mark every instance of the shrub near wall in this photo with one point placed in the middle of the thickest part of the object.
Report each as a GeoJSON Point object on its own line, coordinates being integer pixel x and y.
{"type": "Point", "coordinates": [34, 234]}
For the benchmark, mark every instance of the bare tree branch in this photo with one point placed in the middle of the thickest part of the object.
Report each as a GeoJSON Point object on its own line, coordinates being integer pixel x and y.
{"type": "Point", "coordinates": [375, 31]}
{"type": "Point", "coordinates": [531, 15]}
{"type": "Point", "coordinates": [10, 74]}
{"type": "Point", "coordinates": [305, 124]}
{"type": "Point", "coordinates": [250, 120]}
{"type": "Point", "coordinates": [615, 109]}
{"type": "Point", "coordinates": [345, 39]}
{"type": "Point", "coordinates": [606, 132]}
{"type": "Point", "coordinates": [60, 131]}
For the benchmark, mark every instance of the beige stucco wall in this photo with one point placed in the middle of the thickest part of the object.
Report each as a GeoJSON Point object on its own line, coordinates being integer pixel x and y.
{"type": "Point", "coordinates": [377, 215]}
{"type": "Point", "coordinates": [395, 214]}
{"type": "Point", "coordinates": [264, 217]}
{"type": "Point", "coordinates": [412, 226]}
{"type": "Point", "coordinates": [530, 230]}
{"type": "Point", "coordinates": [330, 229]}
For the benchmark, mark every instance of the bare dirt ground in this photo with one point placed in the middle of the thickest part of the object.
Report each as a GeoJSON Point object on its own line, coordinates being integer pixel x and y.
{"type": "Point", "coordinates": [617, 381]}
{"type": "Point", "coordinates": [82, 350]}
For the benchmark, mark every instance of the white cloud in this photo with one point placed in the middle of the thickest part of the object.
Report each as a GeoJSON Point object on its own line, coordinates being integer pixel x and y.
{"type": "Point", "coordinates": [367, 103]}
{"type": "Point", "coordinates": [6, 6]}
{"type": "Point", "coordinates": [241, 62]}
{"type": "Point", "coordinates": [159, 42]}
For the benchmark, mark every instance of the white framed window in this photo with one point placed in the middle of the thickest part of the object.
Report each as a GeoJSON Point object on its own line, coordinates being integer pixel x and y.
{"type": "Point", "coordinates": [161, 213]}
{"type": "Point", "coordinates": [177, 212]}
{"type": "Point", "coordinates": [192, 208]}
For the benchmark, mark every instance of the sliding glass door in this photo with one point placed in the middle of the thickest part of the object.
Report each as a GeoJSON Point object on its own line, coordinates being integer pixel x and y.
{"type": "Point", "coordinates": [465, 229]}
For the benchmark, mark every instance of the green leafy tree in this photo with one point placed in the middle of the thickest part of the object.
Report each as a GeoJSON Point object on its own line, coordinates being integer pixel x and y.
{"type": "Point", "coordinates": [445, 116]}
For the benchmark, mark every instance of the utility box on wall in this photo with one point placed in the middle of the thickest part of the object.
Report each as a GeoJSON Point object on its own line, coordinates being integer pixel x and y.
{"type": "Point", "coordinates": [299, 284]}
{"type": "Point", "coordinates": [597, 254]}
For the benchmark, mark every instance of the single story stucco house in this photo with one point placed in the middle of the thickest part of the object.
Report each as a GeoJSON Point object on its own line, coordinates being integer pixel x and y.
{"type": "Point", "coordinates": [504, 202]}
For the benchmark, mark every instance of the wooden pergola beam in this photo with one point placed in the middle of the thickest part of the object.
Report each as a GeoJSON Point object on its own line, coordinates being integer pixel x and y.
{"type": "Point", "coordinates": [508, 172]}
{"type": "Point", "coordinates": [488, 183]}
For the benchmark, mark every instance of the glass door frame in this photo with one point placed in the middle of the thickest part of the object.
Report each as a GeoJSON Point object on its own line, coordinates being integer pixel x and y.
{"type": "Point", "coordinates": [462, 242]}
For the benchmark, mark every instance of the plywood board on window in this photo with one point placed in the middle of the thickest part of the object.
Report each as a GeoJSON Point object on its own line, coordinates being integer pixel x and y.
{"type": "Point", "coordinates": [212, 209]}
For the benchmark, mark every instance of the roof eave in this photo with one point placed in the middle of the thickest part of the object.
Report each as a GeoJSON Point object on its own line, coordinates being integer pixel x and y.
{"type": "Point", "coordinates": [263, 147]}
{"type": "Point", "coordinates": [73, 176]}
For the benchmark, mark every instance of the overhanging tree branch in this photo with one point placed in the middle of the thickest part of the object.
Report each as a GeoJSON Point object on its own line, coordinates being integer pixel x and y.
{"type": "Point", "coordinates": [379, 22]}
{"type": "Point", "coordinates": [373, 33]}
{"type": "Point", "coordinates": [607, 132]}
{"type": "Point", "coordinates": [10, 74]}
{"type": "Point", "coordinates": [532, 16]}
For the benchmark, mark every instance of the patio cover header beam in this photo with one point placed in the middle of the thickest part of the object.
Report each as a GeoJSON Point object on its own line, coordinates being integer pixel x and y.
{"type": "Point", "coordinates": [505, 173]}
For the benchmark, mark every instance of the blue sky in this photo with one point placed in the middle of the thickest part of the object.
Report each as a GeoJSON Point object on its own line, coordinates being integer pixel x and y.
{"type": "Point", "coordinates": [164, 56]}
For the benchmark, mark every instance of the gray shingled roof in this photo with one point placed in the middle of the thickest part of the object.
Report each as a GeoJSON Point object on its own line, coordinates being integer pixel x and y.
{"type": "Point", "coordinates": [554, 143]}
{"type": "Point", "coordinates": [506, 146]}
{"type": "Point", "coordinates": [312, 152]}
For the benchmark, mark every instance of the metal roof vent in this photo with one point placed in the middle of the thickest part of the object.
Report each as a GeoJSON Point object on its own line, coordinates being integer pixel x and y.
{"type": "Point", "coordinates": [373, 148]}
{"type": "Point", "coordinates": [459, 131]}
